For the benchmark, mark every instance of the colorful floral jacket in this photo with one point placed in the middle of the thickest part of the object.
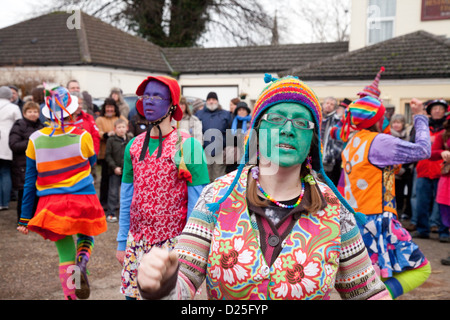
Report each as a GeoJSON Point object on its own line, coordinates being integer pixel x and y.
{"type": "Point", "coordinates": [323, 251]}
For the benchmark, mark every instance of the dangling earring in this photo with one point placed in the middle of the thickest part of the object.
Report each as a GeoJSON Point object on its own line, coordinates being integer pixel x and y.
{"type": "Point", "coordinates": [308, 163]}
{"type": "Point", "coordinates": [309, 177]}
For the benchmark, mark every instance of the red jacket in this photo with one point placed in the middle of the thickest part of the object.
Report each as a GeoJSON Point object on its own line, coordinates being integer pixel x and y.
{"type": "Point", "coordinates": [86, 121]}
{"type": "Point", "coordinates": [430, 168]}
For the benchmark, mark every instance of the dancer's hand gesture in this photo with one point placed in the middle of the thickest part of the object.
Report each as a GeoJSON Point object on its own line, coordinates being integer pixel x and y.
{"type": "Point", "coordinates": [155, 268]}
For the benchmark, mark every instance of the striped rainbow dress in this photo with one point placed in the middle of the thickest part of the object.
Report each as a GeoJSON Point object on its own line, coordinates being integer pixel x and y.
{"type": "Point", "coordinates": [59, 172]}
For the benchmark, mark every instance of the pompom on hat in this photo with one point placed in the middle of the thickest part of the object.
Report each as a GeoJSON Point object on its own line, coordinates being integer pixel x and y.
{"type": "Point", "coordinates": [372, 89]}
{"type": "Point", "coordinates": [287, 89]}
{"type": "Point", "coordinates": [175, 94]}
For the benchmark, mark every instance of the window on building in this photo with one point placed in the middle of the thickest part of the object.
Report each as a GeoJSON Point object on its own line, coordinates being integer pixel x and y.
{"type": "Point", "coordinates": [380, 20]}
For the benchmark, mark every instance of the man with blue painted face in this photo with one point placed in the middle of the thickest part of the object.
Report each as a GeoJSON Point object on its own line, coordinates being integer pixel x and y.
{"type": "Point", "coordinates": [163, 175]}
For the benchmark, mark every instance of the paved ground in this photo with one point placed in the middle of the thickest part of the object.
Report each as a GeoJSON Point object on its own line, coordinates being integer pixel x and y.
{"type": "Point", "coordinates": [29, 266]}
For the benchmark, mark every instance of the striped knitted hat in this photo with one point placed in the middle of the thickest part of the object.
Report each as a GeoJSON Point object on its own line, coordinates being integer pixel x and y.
{"type": "Point", "coordinates": [287, 89]}
{"type": "Point", "coordinates": [372, 89]}
{"type": "Point", "coordinates": [362, 114]}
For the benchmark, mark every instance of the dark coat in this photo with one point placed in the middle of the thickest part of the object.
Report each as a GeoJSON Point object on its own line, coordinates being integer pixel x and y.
{"type": "Point", "coordinates": [18, 142]}
{"type": "Point", "coordinates": [217, 119]}
{"type": "Point", "coordinates": [115, 150]}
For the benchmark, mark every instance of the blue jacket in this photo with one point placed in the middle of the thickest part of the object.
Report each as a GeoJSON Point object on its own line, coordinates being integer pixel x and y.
{"type": "Point", "coordinates": [217, 119]}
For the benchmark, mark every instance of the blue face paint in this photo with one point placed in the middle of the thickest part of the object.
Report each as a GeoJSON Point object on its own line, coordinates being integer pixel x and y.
{"type": "Point", "coordinates": [156, 100]}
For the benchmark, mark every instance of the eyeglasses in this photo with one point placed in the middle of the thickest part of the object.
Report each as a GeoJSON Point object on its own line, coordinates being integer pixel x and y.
{"type": "Point", "coordinates": [151, 98]}
{"type": "Point", "coordinates": [280, 120]}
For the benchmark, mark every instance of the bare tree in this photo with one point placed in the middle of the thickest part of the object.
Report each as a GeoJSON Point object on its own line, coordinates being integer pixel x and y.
{"type": "Point", "coordinates": [328, 22]}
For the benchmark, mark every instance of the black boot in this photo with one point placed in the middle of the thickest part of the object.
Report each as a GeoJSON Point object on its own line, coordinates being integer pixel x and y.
{"type": "Point", "coordinates": [446, 262]}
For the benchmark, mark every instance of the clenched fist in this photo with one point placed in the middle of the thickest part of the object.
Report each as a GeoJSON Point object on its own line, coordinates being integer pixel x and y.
{"type": "Point", "coordinates": [155, 268]}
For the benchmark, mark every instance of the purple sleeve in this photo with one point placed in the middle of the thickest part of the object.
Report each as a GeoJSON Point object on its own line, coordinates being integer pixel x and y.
{"type": "Point", "coordinates": [388, 150]}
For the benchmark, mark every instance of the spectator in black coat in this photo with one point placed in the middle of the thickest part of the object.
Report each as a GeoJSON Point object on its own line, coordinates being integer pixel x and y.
{"type": "Point", "coordinates": [18, 142]}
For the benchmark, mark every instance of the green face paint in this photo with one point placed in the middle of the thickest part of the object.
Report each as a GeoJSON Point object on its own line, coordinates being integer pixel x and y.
{"type": "Point", "coordinates": [285, 145]}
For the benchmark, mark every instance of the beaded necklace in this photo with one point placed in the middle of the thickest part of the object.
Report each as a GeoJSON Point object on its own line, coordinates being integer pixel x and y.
{"type": "Point", "coordinates": [255, 174]}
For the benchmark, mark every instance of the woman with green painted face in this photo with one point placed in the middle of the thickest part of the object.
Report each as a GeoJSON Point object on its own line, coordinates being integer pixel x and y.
{"type": "Point", "coordinates": [269, 230]}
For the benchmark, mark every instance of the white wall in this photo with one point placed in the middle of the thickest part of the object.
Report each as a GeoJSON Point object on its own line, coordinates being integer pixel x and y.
{"type": "Point", "coordinates": [98, 81]}
{"type": "Point", "coordinates": [251, 84]}
{"type": "Point", "coordinates": [408, 19]}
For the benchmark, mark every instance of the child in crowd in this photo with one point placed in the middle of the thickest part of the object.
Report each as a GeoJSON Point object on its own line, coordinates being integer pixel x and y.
{"type": "Point", "coordinates": [115, 148]}
{"type": "Point", "coordinates": [18, 141]}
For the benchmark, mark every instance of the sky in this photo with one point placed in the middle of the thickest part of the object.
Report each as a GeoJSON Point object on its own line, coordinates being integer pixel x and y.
{"type": "Point", "coordinates": [292, 29]}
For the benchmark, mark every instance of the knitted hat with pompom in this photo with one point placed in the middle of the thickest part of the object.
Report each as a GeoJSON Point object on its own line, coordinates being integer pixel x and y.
{"type": "Point", "coordinates": [287, 89]}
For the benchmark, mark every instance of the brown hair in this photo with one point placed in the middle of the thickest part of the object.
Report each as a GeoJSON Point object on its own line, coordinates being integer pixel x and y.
{"type": "Point", "coordinates": [30, 105]}
{"type": "Point", "coordinates": [186, 110]}
{"type": "Point", "coordinates": [120, 121]}
{"type": "Point", "coordinates": [235, 101]}
{"type": "Point", "coordinates": [316, 199]}
{"type": "Point", "coordinates": [38, 95]}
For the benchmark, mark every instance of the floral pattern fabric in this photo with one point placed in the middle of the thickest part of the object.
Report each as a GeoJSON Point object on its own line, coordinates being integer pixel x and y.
{"type": "Point", "coordinates": [133, 255]}
{"type": "Point", "coordinates": [305, 269]}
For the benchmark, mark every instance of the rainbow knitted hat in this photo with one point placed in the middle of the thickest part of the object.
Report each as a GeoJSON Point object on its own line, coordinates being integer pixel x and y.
{"type": "Point", "coordinates": [372, 89]}
{"type": "Point", "coordinates": [362, 114]}
{"type": "Point", "coordinates": [287, 89]}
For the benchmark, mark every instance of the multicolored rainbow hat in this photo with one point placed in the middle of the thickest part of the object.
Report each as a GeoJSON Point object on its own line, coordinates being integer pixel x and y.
{"type": "Point", "coordinates": [361, 114]}
{"type": "Point", "coordinates": [293, 90]}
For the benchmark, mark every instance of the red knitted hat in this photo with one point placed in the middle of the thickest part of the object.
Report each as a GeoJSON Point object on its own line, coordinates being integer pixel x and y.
{"type": "Point", "coordinates": [175, 93]}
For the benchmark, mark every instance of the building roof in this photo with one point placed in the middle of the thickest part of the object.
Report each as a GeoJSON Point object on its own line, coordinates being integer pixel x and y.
{"type": "Point", "coordinates": [273, 58]}
{"type": "Point", "coordinates": [417, 55]}
{"type": "Point", "coordinates": [47, 40]}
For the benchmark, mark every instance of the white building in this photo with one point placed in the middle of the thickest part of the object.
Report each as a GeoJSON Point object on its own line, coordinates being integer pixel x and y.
{"type": "Point", "coordinates": [374, 21]}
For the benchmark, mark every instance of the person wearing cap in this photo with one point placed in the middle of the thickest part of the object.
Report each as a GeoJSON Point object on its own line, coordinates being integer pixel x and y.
{"type": "Point", "coordinates": [215, 123]}
{"type": "Point", "coordinates": [270, 230]}
{"type": "Point", "coordinates": [426, 215]}
{"type": "Point", "coordinates": [238, 131]}
{"type": "Point", "coordinates": [163, 175]}
{"type": "Point", "coordinates": [368, 161]}
{"type": "Point", "coordinates": [9, 113]}
{"type": "Point", "coordinates": [59, 161]}
{"type": "Point", "coordinates": [331, 148]}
